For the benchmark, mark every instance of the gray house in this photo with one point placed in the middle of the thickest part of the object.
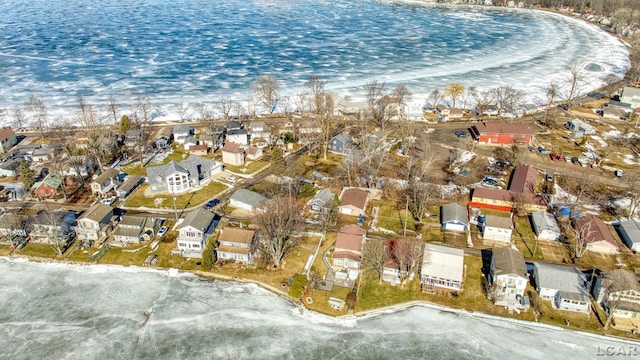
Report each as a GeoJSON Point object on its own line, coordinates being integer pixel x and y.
{"type": "Point", "coordinates": [179, 177]}
{"type": "Point", "coordinates": [629, 231]}
{"type": "Point", "coordinates": [341, 143]}
{"type": "Point", "coordinates": [323, 201]}
{"type": "Point", "coordinates": [454, 217]}
{"type": "Point", "coordinates": [195, 231]}
{"type": "Point", "coordinates": [133, 229]}
{"type": "Point", "coordinates": [246, 199]}
{"type": "Point", "coordinates": [565, 286]}
{"type": "Point", "coordinates": [545, 226]}
{"type": "Point", "coordinates": [130, 183]}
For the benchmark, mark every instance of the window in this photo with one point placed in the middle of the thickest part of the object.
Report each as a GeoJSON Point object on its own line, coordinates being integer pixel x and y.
{"type": "Point", "coordinates": [195, 246]}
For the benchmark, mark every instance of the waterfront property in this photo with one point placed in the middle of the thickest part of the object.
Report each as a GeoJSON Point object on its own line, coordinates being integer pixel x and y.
{"type": "Point", "coordinates": [353, 201]}
{"type": "Point", "coordinates": [454, 217]}
{"type": "Point", "coordinates": [565, 286]}
{"type": "Point", "coordinates": [442, 269]}
{"type": "Point", "coordinates": [545, 226]}
{"type": "Point", "coordinates": [52, 226]}
{"type": "Point", "coordinates": [631, 95]}
{"type": "Point", "coordinates": [246, 200]}
{"type": "Point", "coordinates": [95, 224]}
{"type": "Point", "coordinates": [618, 293]}
{"type": "Point", "coordinates": [629, 231]}
{"type": "Point", "coordinates": [507, 278]}
{"type": "Point", "coordinates": [596, 234]}
{"type": "Point", "coordinates": [347, 254]}
{"type": "Point", "coordinates": [491, 133]}
{"type": "Point", "coordinates": [134, 229]}
{"type": "Point", "coordinates": [179, 177]}
{"type": "Point", "coordinates": [182, 132]}
{"type": "Point", "coordinates": [194, 232]}
{"type": "Point", "coordinates": [236, 245]}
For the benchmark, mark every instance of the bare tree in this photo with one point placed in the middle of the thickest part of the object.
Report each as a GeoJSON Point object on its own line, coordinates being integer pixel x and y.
{"type": "Point", "coordinates": [14, 225]}
{"type": "Point", "coordinates": [575, 83]}
{"type": "Point", "coordinates": [112, 109]}
{"type": "Point", "coordinates": [435, 98]}
{"type": "Point", "coordinates": [267, 89]}
{"type": "Point", "coordinates": [378, 104]}
{"type": "Point", "coordinates": [402, 94]}
{"type": "Point", "coordinates": [226, 106]}
{"type": "Point", "coordinates": [145, 109]}
{"type": "Point", "coordinates": [202, 108]}
{"type": "Point", "coordinates": [182, 108]}
{"type": "Point", "coordinates": [420, 195]}
{"type": "Point", "coordinates": [507, 98]}
{"type": "Point", "coordinates": [583, 230]}
{"type": "Point", "coordinates": [54, 230]}
{"type": "Point", "coordinates": [408, 255]}
{"type": "Point", "coordinates": [632, 193]}
{"type": "Point", "coordinates": [469, 94]}
{"type": "Point", "coordinates": [18, 116]}
{"type": "Point", "coordinates": [97, 133]}
{"type": "Point", "coordinates": [38, 112]}
{"type": "Point", "coordinates": [552, 94]}
{"type": "Point", "coordinates": [483, 100]}
{"type": "Point", "coordinates": [454, 158]}
{"type": "Point", "coordinates": [494, 290]}
{"type": "Point", "coordinates": [375, 256]}
{"type": "Point", "coordinates": [454, 91]}
{"type": "Point", "coordinates": [374, 156]}
{"type": "Point", "coordinates": [277, 222]}
{"type": "Point", "coordinates": [322, 105]}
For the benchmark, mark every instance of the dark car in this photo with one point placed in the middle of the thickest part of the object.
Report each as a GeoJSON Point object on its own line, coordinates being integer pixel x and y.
{"type": "Point", "coordinates": [211, 203]}
{"type": "Point", "coordinates": [495, 170]}
{"type": "Point", "coordinates": [503, 163]}
{"type": "Point", "coordinates": [461, 134]}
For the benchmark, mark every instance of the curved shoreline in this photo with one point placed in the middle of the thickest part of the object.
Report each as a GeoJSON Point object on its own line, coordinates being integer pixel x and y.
{"type": "Point", "coordinates": [390, 309]}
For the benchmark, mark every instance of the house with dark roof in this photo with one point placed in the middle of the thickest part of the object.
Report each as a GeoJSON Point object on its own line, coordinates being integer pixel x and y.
{"type": "Point", "coordinates": [10, 168]}
{"type": "Point", "coordinates": [353, 201]}
{"type": "Point", "coordinates": [48, 187]}
{"type": "Point", "coordinates": [179, 177]}
{"type": "Point", "coordinates": [454, 217]}
{"type": "Point", "coordinates": [232, 154]}
{"type": "Point", "coordinates": [134, 229]}
{"type": "Point", "coordinates": [194, 232]}
{"type": "Point", "coordinates": [323, 201]}
{"type": "Point", "coordinates": [491, 133]}
{"type": "Point", "coordinates": [508, 277]}
{"type": "Point", "coordinates": [8, 139]}
{"type": "Point", "coordinates": [236, 245]}
{"type": "Point", "coordinates": [565, 286]}
{"type": "Point", "coordinates": [618, 293]}
{"type": "Point", "coordinates": [523, 179]}
{"type": "Point", "coordinates": [52, 227]}
{"type": "Point", "coordinates": [95, 224]}
{"type": "Point", "coordinates": [247, 200]}
{"type": "Point", "coordinates": [107, 181]}
{"type": "Point", "coordinates": [130, 183]}
{"type": "Point", "coordinates": [629, 231]}
{"type": "Point", "coordinates": [347, 254]}
{"type": "Point", "coordinates": [442, 269]}
{"type": "Point", "coordinates": [497, 228]}
{"type": "Point", "coordinates": [545, 226]}
{"type": "Point", "coordinates": [341, 143]}
{"type": "Point", "coordinates": [162, 137]}
{"type": "Point", "coordinates": [596, 234]}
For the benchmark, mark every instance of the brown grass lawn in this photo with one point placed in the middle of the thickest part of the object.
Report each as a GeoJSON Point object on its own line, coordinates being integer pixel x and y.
{"type": "Point", "coordinates": [525, 239]}
{"type": "Point", "coordinates": [37, 250]}
{"type": "Point", "coordinates": [5, 249]}
{"type": "Point", "coordinates": [320, 300]}
{"type": "Point", "coordinates": [392, 216]}
{"type": "Point", "coordinates": [138, 199]}
{"type": "Point", "coordinates": [249, 168]}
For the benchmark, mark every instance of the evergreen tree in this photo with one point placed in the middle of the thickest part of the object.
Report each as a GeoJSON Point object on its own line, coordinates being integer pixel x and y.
{"type": "Point", "coordinates": [27, 176]}
{"type": "Point", "coordinates": [277, 161]}
{"type": "Point", "coordinates": [208, 256]}
{"type": "Point", "coordinates": [125, 124]}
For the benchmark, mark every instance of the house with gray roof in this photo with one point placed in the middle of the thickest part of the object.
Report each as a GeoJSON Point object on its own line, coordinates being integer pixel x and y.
{"type": "Point", "coordinates": [95, 223]}
{"type": "Point", "coordinates": [565, 286]}
{"type": "Point", "coordinates": [341, 143]}
{"type": "Point", "coordinates": [454, 217]}
{"type": "Point", "coordinates": [497, 228]}
{"type": "Point", "coordinates": [182, 132]}
{"type": "Point", "coordinates": [107, 181]}
{"type": "Point", "coordinates": [130, 183]}
{"type": "Point", "coordinates": [134, 229]}
{"type": "Point", "coordinates": [179, 177]}
{"type": "Point", "coordinates": [194, 232]}
{"type": "Point", "coordinates": [631, 96]}
{"type": "Point", "coordinates": [545, 226]}
{"type": "Point", "coordinates": [508, 277]}
{"type": "Point", "coordinates": [52, 226]}
{"type": "Point", "coordinates": [246, 200]}
{"type": "Point", "coordinates": [10, 168]}
{"type": "Point", "coordinates": [323, 201]}
{"type": "Point", "coordinates": [442, 269]}
{"type": "Point", "coordinates": [629, 231]}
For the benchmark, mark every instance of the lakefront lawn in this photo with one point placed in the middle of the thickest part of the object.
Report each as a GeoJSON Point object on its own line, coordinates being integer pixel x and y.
{"type": "Point", "coordinates": [165, 201]}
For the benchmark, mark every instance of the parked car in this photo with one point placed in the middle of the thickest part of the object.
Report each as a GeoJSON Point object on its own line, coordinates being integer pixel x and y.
{"type": "Point", "coordinates": [461, 133]}
{"type": "Point", "coordinates": [575, 160]}
{"type": "Point", "coordinates": [211, 203]}
{"type": "Point", "coordinates": [361, 219]}
{"type": "Point", "coordinates": [618, 173]}
{"type": "Point", "coordinates": [532, 148]}
{"type": "Point", "coordinates": [503, 163]}
{"type": "Point", "coordinates": [542, 150]}
{"type": "Point", "coordinates": [549, 177]}
{"type": "Point", "coordinates": [163, 230]}
{"type": "Point", "coordinates": [232, 179]}
{"type": "Point", "coordinates": [495, 170]}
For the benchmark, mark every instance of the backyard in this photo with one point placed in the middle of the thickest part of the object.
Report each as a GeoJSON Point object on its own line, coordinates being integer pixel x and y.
{"type": "Point", "coordinates": [165, 200]}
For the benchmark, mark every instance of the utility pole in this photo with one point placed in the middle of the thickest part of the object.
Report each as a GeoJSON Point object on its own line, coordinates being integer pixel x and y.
{"type": "Point", "coordinates": [406, 215]}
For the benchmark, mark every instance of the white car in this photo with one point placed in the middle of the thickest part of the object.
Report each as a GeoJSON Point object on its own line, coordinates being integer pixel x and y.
{"type": "Point", "coordinates": [163, 230]}
{"type": "Point", "coordinates": [232, 179]}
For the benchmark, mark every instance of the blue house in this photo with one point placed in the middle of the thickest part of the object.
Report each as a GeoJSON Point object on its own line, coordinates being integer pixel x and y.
{"type": "Point", "coordinates": [454, 217]}
{"type": "Point", "coordinates": [341, 143]}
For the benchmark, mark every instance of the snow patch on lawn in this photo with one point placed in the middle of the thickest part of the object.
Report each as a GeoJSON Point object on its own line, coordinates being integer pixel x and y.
{"type": "Point", "coordinates": [599, 139]}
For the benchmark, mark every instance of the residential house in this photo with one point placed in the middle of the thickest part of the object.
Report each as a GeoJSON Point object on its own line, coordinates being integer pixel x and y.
{"type": "Point", "coordinates": [233, 125]}
{"type": "Point", "coordinates": [10, 168]}
{"type": "Point", "coordinates": [236, 245]}
{"type": "Point", "coordinates": [507, 277]}
{"type": "Point", "coordinates": [8, 139]}
{"type": "Point", "coordinates": [348, 108]}
{"type": "Point", "coordinates": [95, 223]}
{"type": "Point", "coordinates": [497, 228]}
{"type": "Point", "coordinates": [596, 234]}
{"type": "Point", "coordinates": [130, 183]}
{"type": "Point", "coordinates": [233, 154]}
{"type": "Point", "coordinates": [52, 227]}
{"type": "Point", "coordinates": [254, 152]}
{"type": "Point", "coordinates": [523, 179]}
{"type": "Point", "coordinates": [194, 232]}
{"type": "Point", "coordinates": [454, 217]}
{"type": "Point", "coordinates": [506, 200]}
{"type": "Point", "coordinates": [190, 142]}
{"type": "Point", "coordinates": [347, 254]}
{"type": "Point", "coordinates": [182, 132]}
{"type": "Point", "coordinates": [323, 201]}
{"type": "Point", "coordinates": [631, 96]}
{"type": "Point", "coordinates": [545, 226]}
{"type": "Point", "coordinates": [201, 149]}
{"type": "Point", "coordinates": [615, 113]}
{"type": "Point", "coordinates": [162, 137]}
{"type": "Point", "coordinates": [247, 200]}
{"type": "Point", "coordinates": [107, 181]}
{"type": "Point", "coordinates": [14, 225]}
{"type": "Point", "coordinates": [135, 139]}
{"type": "Point", "coordinates": [629, 231]}
{"type": "Point", "coordinates": [618, 293]}
{"type": "Point", "coordinates": [78, 166]}
{"type": "Point", "coordinates": [447, 114]}
{"type": "Point", "coordinates": [178, 177]}
{"type": "Point", "coordinates": [238, 136]}
{"type": "Point", "coordinates": [486, 110]}
{"type": "Point", "coordinates": [341, 143]}
{"type": "Point", "coordinates": [44, 152]}
{"type": "Point", "coordinates": [48, 187]}
{"type": "Point", "coordinates": [214, 137]}
{"type": "Point", "coordinates": [318, 176]}
{"type": "Point", "coordinates": [260, 131]}
{"type": "Point", "coordinates": [442, 269]}
{"type": "Point", "coordinates": [565, 286]}
{"type": "Point", "coordinates": [580, 128]}
{"type": "Point", "coordinates": [134, 229]}
{"type": "Point", "coordinates": [353, 201]}
{"type": "Point", "coordinates": [491, 133]}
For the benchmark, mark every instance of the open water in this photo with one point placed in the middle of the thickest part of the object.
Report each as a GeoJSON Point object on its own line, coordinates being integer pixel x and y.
{"type": "Point", "coordinates": [198, 50]}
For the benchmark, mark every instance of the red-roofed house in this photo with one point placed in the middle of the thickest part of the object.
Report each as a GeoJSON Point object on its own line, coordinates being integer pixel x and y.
{"type": "Point", "coordinates": [253, 152]}
{"type": "Point", "coordinates": [447, 113]}
{"type": "Point", "coordinates": [199, 149]}
{"type": "Point", "coordinates": [353, 201]}
{"type": "Point", "coordinates": [596, 234]}
{"type": "Point", "coordinates": [348, 249]}
{"type": "Point", "coordinates": [502, 134]}
{"type": "Point", "coordinates": [7, 139]}
{"type": "Point", "coordinates": [232, 154]}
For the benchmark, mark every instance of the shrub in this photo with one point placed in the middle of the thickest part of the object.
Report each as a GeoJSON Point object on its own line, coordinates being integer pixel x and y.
{"type": "Point", "coordinates": [297, 286]}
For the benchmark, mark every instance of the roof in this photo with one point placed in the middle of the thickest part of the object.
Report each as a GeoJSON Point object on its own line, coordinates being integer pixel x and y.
{"type": "Point", "coordinates": [233, 249]}
{"type": "Point", "coordinates": [323, 197]}
{"type": "Point", "coordinates": [443, 262]}
{"type": "Point", "coordinates": [5, 133]}
{"type": "Point", "coordinates": [350, 237]}
{"type": "Point", "coordinates": [97, 213]}
{"type": "Point", "coordinates": [454, 212]}
{"type": "Point", "coordinates": [198, 147]}
{"type": "Point", "coordinates": [502, 222]}
{"type": "Point", "coordinates": [509, 261]}
{"type": "Point", "coordinates": [247, 197]}
{"type": "Point", "coordinates": [256, 125]}
{"type": "Point", "coordinates": [160, 173]}
{"type": "Point", "coordinates": [251, 150]}
{"type": "Point", "coordinates": [163, 132]}
{"type": "Point", "coordinates": [182, 129]}
{"type": "Point", "coordinates": [233, 124]}
{"type": "Point", "coordinates": [630, 91]}
{"type": "Point", "coordinates": [344, 137]}
{"type": "Point", "coordinates": [200, 219]}
{"type": "Point", "coordinates": [130, 220]}
{"type": "Point", "coordinates": [107, 174]}
{"type": "Point", "coordinates": [632, 228]}
{"type": "Point", "coordinates": [231, 147]}
{"type": "Point", "coordinates": [491, 194]}
{"type": "Point", "coordinates": [54, 180]}
{"type": "Point", "coordinates": [545, 221]}
{"type": "Point", "coordinates": [236, 235]}
{"type": "Point", "coordinates": [354, 197]}
{"type": "Point", "coordinates": [55, 218]}
{"type": "Point", "coordinates": [597, 231]}
{"type": "Point", "coordinates": [346, 255]}
{"type": "Point", "coordinates": [620, 280]}
{"type": "Point", "coordinates": [237, 132]}
{"type": "Point", "coordinates": [504, 128]}
{"type": "Point", "coordinates": [193, 165]}
{"type": "Point", "coordinates": [125, 231]}
{"type": "Point", "coordinates": [130, 183]}
{"type": "Point", "coordinates": [523, 179]}
{"type": "Point", "coordinates": [133, 133]}
{"type": "Point", "coordinates": [190, 140]}
{"type": "Point", "coordinates": [570, 281]}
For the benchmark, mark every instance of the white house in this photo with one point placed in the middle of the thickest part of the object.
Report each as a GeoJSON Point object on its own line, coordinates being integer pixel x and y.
{"type": "Point", "coordinates": [442, 269]}
{"type": "Point", "coordinates": [580, 128]}
{"type": "Point", "coordinates": [497, 228]}
{"type": "Point", "coordinates": [348, 248]}
{"type": "Point", "coordinates": [507, 277]}
{"type": "Point", "coordinates": [545, 226]}
{"type": "Point", "coordinates": [246, 199]}
{"type": "Point", "coordinates": [195, 231]}
{"type": "Point", "coordinates": [454, 217]}
{"type": "Point", "coordinates": [238, 136]}
{"type": "Point", "coordinates": [565, 286]}
{"type": "Point", "coordinates": [631, 96]}
{"type": "Point", "coordinates": [95, 223]}
{"type": "Point", "coordinates": [181, 133]}
{"type": "Point", "coordinates": [236, 245]}
{"type": "Point", "coordinates": [629, 231]}
{"type": "Point", "coordinates": [179, 177]}
{"type": "Point", "coordinates": [618, 293]}
{"type": "Point", "coordinates": [134, 229]}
